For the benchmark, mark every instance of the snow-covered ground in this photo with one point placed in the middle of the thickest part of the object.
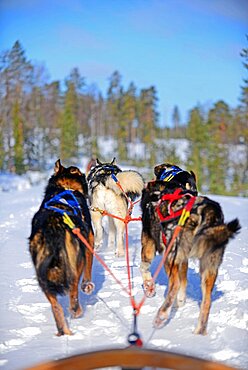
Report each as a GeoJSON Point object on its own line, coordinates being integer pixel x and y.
{"type": "Point", "coordinates": [27, 327]}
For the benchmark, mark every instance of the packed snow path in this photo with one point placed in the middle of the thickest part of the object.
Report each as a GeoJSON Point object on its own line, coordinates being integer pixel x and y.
{"type": "Point", "coordinates": [28, 329]}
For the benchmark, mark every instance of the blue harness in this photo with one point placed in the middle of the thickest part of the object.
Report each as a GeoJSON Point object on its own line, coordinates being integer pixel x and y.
{"type": "Point", "coordinates": [68, 199]}
{"type": "Point", "coordinates": [167, 175]}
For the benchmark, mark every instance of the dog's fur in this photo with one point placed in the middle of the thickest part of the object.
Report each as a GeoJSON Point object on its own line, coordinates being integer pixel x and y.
{"type": "Point", "coordinates": [204, 236]}
{"type": "Point", "coordinates": [107, 196]}
{"type": "Point", "coordinates": [59, 257]}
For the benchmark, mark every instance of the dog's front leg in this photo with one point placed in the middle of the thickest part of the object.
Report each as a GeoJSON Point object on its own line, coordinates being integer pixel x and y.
{"type": "Point", "coordinates": [87, 285]}
{"type": "Point", "coordinates": [120, 227]}
{"type": "Point", "coordinates": [147, 255]}
{"type": "Point", "coordinates": [174, 284]}
{"type": "Point", "coordinates": [58, 315]}
{"type": "Point", "coordinates": [98, 229]}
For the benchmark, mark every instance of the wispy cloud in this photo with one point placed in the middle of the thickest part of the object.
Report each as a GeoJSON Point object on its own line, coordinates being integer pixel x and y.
{"type": "Point", "coordinates": [78, 37]}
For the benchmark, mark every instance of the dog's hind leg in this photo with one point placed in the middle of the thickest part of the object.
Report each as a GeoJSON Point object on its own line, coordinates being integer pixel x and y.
{"type": "Point", "coordinates": [58, 315]}
{"type": "Point", "coordinates": [75, 307]}
{"type": "Point", "coordinates": [172, 270]}
{"type": "Point", "coordinates": [181, 295]}
{"type": "Point", "coordinates": [147, 255]}
{"type": "Point", "coordinates": [120, 227]}
{"type": "Point", "coordinates": [98, 229]}
{"type": "Point", "coordinates": [87, 285]}
{"type": "Point", "coordinates": [207, 283]}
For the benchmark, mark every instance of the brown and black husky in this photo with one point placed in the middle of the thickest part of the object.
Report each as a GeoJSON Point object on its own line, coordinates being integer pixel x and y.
{"type": "Point", "coordinates": [204, 236]}
{"type": "Point", "coordinates": [59, 257]}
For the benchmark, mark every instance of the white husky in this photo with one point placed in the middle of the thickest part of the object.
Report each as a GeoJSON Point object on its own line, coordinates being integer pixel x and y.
{"type": "Point", "coordinates": [106, 195]}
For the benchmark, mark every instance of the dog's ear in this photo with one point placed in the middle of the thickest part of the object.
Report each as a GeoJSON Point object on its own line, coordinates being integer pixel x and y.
{"type": "Point", "coordinates": [113, 161]}
{"type": "Point", "coordinates": [157, 169]}
{"type": "Point", "coordinates": [98, 162]}
{"type": "Point", "coordinates": [193, 174]}
{"type": "Point", "coordinates": [58, 167]}
{"type": "Point", "coordinates": [75, 171]}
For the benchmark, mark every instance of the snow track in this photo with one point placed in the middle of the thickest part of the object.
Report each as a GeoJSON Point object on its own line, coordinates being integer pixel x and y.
{"type": "Point", "coordinates": [27, 327]}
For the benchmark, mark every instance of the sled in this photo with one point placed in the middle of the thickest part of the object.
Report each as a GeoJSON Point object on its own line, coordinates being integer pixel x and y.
{"type": "Point", "coordinates": [131, 358]}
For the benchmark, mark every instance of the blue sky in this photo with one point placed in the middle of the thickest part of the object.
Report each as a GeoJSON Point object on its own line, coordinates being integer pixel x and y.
{"type": "Point", "coordinates": [189, 50]}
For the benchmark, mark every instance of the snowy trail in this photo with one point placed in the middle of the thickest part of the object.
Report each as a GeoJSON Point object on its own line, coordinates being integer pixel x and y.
{"type": "Point", "coordinates": [27, 327]}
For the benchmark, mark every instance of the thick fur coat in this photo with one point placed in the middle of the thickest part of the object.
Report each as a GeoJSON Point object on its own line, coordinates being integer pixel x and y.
{"type": "Point", "coordinates": [59, 257]}
{"type": "Point", "coordinates": [107, 196]}
{"type": "Point", "coordinates": [204, 236]}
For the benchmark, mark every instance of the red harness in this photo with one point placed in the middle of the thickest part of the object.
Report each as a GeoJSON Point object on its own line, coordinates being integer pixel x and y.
{"type": "Point", "coordinates": [178, 194]}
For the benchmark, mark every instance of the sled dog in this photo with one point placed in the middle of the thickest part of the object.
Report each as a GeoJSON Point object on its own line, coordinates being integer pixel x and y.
{"type": "Point", "coordinates": [203, 236]}
{"type": "Point", "coordinates": [105, 195]}
{"type": "Point", "coordinates": [59, 257]}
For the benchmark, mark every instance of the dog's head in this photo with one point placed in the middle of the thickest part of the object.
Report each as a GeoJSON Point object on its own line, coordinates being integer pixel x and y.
{"type": "Point", "coordinates": [69, 178]}
{"type": "Point", "coordinates": [102, 170]}
{"type": "Point", "coordinates": [174, 176]}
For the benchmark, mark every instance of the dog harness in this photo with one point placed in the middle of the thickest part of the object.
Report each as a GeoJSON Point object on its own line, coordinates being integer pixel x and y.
{"type": "Point", "coordinates": [183, 212]}
{"type": "Point", "coordinates": [168, 174]}
{"type": "Point", "coordinates": [67, 199]}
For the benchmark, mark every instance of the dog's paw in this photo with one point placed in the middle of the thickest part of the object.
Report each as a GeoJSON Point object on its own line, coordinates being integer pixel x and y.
{"type": "Point", "coordinates": [149, 288]}
{"type": "Point", "coordinates": [88, 287]}
{"type": "Point", "coordinates": [160, 320]}
{"type": "Point", "coordinates": [65, 331]}
{"type": "Point", "coordinates": [180, 302]}
{"type": "Point", "coordinates": [97, 246]}
{"type": "Point", "coordinates": [75, 314]}
{"type": "Point", "coordinates": [119, 253]}
{"type": "Point", "coordinates": [201, 331]}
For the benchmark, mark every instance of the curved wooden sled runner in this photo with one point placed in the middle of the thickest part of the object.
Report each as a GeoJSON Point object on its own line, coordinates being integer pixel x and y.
{"type": "Point", "coordinates": [131, 358]}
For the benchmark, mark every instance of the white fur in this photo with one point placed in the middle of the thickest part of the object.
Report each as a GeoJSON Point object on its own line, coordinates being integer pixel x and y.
{"type": "Point", "coordinates": [108, 198]}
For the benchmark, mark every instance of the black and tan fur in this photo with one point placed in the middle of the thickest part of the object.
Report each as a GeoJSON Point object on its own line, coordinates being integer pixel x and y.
{"type": "Point", "coordinates": [204, 236]}
{"type": "Point", "coordinates": [59, 257]}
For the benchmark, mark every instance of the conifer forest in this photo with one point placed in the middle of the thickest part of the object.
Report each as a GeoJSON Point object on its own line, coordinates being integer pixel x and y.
{"type": "Point", "coordinates": [42, 120]}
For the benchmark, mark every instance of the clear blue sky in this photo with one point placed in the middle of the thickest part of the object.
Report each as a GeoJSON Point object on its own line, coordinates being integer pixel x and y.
{"type": "Point", "coordinates": [189, 50]}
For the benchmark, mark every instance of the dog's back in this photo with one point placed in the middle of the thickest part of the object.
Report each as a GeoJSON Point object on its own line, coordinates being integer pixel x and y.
{"type": "Point", "coordinates": [52, 244]}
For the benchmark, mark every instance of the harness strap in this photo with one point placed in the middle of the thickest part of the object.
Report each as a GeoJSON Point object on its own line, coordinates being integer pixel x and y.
{"type": "Point", "coordinates": [65, 198]}
{"type": "Point", "coordinates": [168, 174]}
{"type": "Point", "coordinates": [171, 198]}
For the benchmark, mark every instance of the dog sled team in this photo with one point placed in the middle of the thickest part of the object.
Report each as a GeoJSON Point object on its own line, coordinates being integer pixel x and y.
{"type": "Point", "coordinates": [61, 259]}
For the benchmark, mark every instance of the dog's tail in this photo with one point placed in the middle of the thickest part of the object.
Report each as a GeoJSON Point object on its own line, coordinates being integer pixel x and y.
{"type": "Point", "coordinates": [219, 235]}
{"type": "Point", "coordinates": [54, 275]}
{"type": "Point", "coordinates": [131, 182]}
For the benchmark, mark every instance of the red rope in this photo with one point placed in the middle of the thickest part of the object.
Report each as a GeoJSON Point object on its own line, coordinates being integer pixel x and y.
{"type": "Point", "coordinates": [77, 232]}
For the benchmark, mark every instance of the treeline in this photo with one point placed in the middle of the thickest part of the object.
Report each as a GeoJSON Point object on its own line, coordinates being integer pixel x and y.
{"type": "Point", "coordinates": [41, 121]}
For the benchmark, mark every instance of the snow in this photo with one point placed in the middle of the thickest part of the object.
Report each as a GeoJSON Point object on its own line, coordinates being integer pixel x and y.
{"type": "Point", "coordinates": [28, 328]}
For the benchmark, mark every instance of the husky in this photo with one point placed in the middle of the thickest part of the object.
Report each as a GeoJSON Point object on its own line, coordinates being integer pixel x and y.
{"type": "Point", "coordinates": [106, 196]}
{"type": "Point", "coordinates": [59, 257]}
{"type": "Point", "coordinates": [204, 236]}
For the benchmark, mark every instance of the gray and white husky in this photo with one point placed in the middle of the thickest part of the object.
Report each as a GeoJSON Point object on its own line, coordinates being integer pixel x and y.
{"type": "Point", "coordinates": [106, 195]}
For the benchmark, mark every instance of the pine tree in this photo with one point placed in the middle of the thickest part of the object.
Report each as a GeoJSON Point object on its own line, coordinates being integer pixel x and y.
{"type": "Point", "coordinates": [218, 162]}
{"type": "Point", "coordinates": [244, 88]}
{"type": "Point", "coordinates": [15, 80]}
{"type": "Point", "coordinates": [148, 118]}
{"type": "Point", "coordinates": [18, 133]}
{"type": "Point", "coordinates": [127, 118]}
{"type": "Point", "coordinates": [2, 151]}
{"type": "Point", "coordinates": [197, 145]}
{"type": "Point", "coordinates": [68, 134]}
{"type": "Point", "coordinates": [176, 120]}
{"type": "Point", "coordinates": [115, 123]}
